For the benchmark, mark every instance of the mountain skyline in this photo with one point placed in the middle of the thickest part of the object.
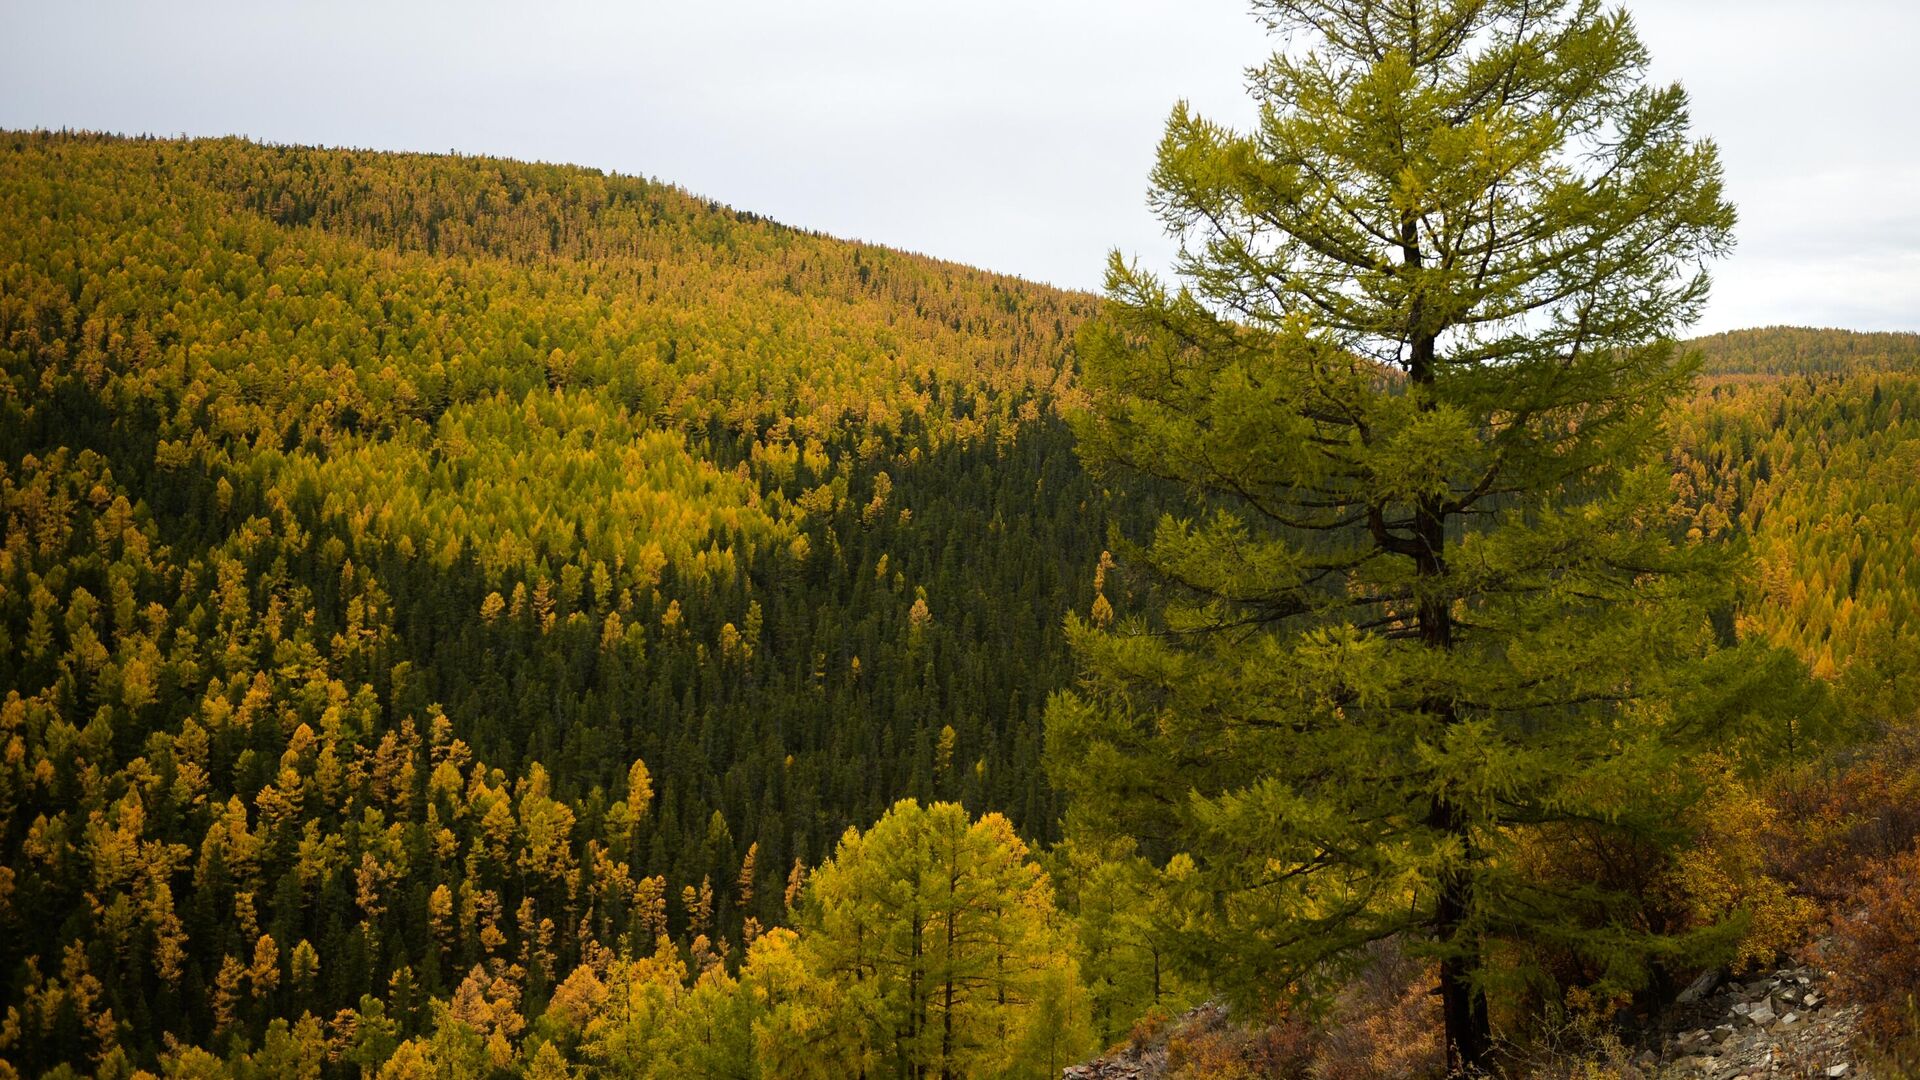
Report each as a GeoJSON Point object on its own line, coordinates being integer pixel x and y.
{"type": "Point", "coordinates": [1013, 138]}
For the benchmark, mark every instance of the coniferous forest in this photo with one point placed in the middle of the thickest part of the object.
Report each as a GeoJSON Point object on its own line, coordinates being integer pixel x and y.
{"type": "Point", "coordinates": [465, 618]}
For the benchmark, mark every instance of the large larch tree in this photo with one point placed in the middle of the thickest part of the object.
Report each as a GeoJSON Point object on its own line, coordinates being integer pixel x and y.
{"type": "Point", "coordinates": [1432, 603]}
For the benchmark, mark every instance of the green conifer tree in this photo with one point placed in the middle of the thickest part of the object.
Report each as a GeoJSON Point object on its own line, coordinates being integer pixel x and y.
{"type": "Point", "coordinates": [1431, 603]}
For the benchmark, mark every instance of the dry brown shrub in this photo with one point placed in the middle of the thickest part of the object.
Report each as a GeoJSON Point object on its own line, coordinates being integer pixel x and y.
{"type": "Point", "coordinates": [1875, 948]}
{"type": "Point", "coordinates": [1205, 1044]}
{"type": "Point", "coordinates": [1383, 1025]}
{"type": "Point", "coordinates": [1386, 1024]}
{"type": "Point", "coordinates": [1836, 827]}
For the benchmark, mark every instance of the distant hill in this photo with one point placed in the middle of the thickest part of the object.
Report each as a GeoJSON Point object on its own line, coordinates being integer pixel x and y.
{"type": "Point", "coordinates": [1797, 350]}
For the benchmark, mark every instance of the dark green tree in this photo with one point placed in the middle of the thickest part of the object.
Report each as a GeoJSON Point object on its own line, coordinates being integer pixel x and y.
{"type": "Point", "coordinates": [1432, 603]}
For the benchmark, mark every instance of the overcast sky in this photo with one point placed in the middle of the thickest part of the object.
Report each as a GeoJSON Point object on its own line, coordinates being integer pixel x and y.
{"type": "Point", "coordinates": [1012, 134]}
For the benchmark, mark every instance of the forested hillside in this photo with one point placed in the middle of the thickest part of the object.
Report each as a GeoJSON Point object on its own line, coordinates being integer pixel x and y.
{"type": "Point", "coordinates": [371, 519]}
{"type": "Point", "coordinates": [1798, 350]}
{"type": "Point", "coordinates": [452, 611]}
{"type": "Point", "coordinates": [1804, 441]}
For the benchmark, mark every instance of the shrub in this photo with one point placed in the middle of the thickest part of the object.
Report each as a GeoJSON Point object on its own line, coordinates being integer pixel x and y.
{"type": "Point", "coordinates": [1875, 949]}
{"type": "Point", "coordinates": [1732, 871]}
{"type": "Point", "coordinates": [1386, 1023]}
{"type": "Point", "coordinates": [1383, 1025]}
{"type": "Point", "coordinates": [1837, 827]}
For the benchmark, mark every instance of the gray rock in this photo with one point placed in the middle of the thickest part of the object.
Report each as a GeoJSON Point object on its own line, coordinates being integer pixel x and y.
{"type": "Point", "coordinates": [1699, 988]}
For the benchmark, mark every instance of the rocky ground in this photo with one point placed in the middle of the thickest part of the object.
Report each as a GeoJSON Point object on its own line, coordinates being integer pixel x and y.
{"type": "Point", "coordinates": [1779, 1025]}
{"type": "Point", "coordinates": [1148, 1060]}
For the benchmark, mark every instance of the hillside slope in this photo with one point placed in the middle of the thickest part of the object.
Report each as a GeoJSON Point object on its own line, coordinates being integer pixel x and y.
{"type": "Point", "coordinates": [1806, 443]}
{"type": "Point", "coordinates": [369, 516]}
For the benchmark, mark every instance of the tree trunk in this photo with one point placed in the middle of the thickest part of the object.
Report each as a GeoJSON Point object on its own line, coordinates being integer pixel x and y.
{"type": "Point", "coordinates": [1469, 1033]}
{"type": "Point", "coordinates": [1463, 1007]}
{"type": "Point", "coordinates": [916, 1011]}
{"type": "Point", "coordinates": [946, 1005]}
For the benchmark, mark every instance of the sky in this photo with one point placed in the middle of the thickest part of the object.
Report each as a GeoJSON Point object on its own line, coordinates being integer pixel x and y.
{"type": "Point", "coordinates": [1011, 134]}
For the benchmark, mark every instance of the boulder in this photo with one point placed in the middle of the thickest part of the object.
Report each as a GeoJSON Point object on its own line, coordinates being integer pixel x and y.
{"type": "Point", "coordinates": [1699, 988]}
